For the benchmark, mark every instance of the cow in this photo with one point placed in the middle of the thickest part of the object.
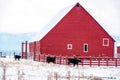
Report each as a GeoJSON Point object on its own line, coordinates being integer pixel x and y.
{"type": "Point", "coordinates": [50, 59]}
{"type": "Point", "coordinates": [17, 57]}
{"type": "Point", "coordinates": [74, 61]}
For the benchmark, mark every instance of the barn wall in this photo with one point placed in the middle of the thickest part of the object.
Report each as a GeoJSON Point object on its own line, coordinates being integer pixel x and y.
{"type": "Point", "coordinates": [77, 27]}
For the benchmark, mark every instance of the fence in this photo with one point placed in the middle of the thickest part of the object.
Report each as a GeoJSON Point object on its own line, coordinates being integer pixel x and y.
{"type": "Point", "coordinates": [2, 55]}
{"type": "Point", "coordinates": [8, 54]}
{"type": "Point", "coordinates": [91, 61]}
{"type": "Point", "coordinates": [98, 61]}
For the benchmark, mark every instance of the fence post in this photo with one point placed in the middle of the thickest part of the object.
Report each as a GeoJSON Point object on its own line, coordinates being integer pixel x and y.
{"type": "Point", "coordinates": [60, 58]}
{"type": "Point", "coordinates": [26, 47]}
{"type": "Point", "coordinates": [56, 60]}
{"type": "Point", "coordinates": [115, 62]}
{"type": "Point", "coordinates": [66, 59]}
{"type": "Point", "coordinates": [98, 61]}
{"type": "Point", "coordinates": [14, 53]}
{"type": "Point", "coordinates": [0, 54]}
{"type": "Point", "coordinates": [39, 57]}
{"type": "Point", "coordinates": [44, 57]}
{"type": "Point", "coordinates": [22, 50]}
{"type": "Point", "coordinates": [4, 54]}
{"type": "Point", "coordinates": [82, 60]}
{"type": "Point", "coordinates": [107, 60]}
{"type": "Point", "coordinates": [34, 50]}
{"type": "Point", "coordinates": [90, 61]}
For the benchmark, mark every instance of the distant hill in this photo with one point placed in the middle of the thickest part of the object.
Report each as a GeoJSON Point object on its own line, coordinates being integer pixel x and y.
{"type": "Point", "coordinates": [12, 42]}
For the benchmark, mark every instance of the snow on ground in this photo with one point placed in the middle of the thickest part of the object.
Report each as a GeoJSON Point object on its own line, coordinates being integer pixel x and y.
{"type": "Point", "coordinates": [32, 70]}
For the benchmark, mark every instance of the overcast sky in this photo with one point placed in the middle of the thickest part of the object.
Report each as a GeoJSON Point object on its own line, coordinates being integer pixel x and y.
{"type": "Point", "coordinates": [22, 16]}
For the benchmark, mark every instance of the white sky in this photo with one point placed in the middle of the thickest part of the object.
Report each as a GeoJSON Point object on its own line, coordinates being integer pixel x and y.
{"type": "Point", "coordinates": [22, 16]}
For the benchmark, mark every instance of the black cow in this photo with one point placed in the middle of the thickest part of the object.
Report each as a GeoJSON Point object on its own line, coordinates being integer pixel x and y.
{"type": "Point", "coordinates": [74, 61]}
{"type": "Point", "coordinates": [50, 59]}
{"type": "Point", "coordinates": [17, 57]}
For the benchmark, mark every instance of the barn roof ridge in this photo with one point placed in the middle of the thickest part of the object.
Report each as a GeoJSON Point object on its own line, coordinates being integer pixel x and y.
{"type": "Point", "coordinates": [78, 4]}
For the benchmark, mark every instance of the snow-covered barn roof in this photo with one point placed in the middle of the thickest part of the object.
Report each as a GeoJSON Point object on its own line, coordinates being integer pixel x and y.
{"type": "Point", "coordinates": [52, 23]}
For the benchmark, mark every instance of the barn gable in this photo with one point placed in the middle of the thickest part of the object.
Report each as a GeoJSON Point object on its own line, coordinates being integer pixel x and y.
{"type": "Point", "coordinates": [76, 33]}
{"type": "Point", "coordinates": [78, 12]}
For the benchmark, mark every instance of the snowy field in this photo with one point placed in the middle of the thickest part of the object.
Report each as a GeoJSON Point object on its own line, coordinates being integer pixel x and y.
{"type": "Point", "coordinates": [31, 70]}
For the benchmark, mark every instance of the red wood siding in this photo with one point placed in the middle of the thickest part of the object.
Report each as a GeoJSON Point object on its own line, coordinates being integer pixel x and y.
{"type": "Point", "coordinates": [31, 47]}
{"type": "Point", "coordinates": [34, 45]}
{"type": "Point", "coordinates": [118, 49]}
{"type": "Point", "coordinates": [38, 47]}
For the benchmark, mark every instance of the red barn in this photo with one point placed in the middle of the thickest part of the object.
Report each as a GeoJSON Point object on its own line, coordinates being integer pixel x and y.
{"type": "Point", "coordinates": [77, 33]}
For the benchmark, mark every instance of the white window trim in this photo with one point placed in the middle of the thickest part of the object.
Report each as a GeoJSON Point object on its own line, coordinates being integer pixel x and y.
{"type": "Point", "coordinates": [69, 46]}
{"type": "Point", "coordinates": [107, 42]}
{"type": "Point", "coordinates": [84, 47]}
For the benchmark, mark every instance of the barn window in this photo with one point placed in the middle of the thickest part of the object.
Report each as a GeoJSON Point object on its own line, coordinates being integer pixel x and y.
{"type": "Point", "coordinates": [69, 46]}
{"type": "Point", "coordinates": [105, 41]}
{"type": "Point", "coordinates": [85, 47]}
